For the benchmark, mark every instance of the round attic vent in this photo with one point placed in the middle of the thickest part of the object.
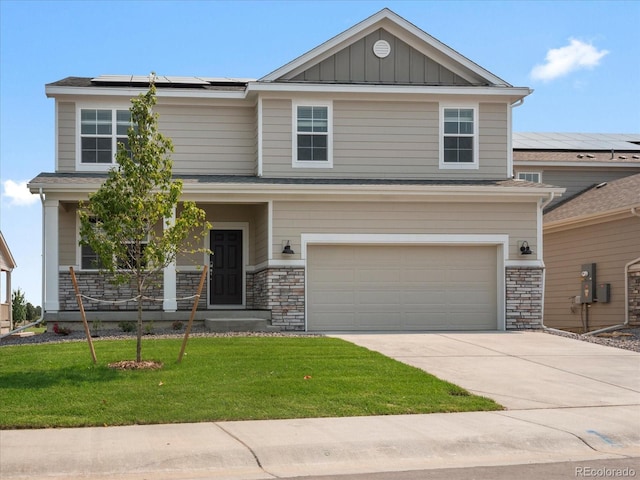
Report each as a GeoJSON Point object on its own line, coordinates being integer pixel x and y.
{"type": "Point", "coordinates": [381, 49]}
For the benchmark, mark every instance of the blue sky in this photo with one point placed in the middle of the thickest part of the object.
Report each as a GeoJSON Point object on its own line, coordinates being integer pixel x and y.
{"type": "Point", "coordinates": [582, 58]}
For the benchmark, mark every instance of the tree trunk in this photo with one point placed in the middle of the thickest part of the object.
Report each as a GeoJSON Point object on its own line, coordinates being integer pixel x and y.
{"type": "Point", "coordinates": [139, 339]}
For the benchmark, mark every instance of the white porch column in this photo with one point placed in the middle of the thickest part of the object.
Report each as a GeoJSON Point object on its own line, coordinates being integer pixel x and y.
{"type": "Point", "coordinates": [170, 304]}
{"type": "Point", "coordinates": [51, 263]}
{"type": "Point", "coordinates": [9, 300]}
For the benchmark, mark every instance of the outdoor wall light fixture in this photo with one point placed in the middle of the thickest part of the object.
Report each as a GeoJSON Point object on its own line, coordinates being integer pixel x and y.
{"type": "Point", "coordinates": [524, 248]}
{"type": "Point", "coordinates": [287, 250]}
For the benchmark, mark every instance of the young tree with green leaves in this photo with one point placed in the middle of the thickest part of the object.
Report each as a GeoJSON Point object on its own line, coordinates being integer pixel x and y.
{"type": "Point", "coordinates": [123, 220]}
{"type": "Point", "coordinates": [18, 306]}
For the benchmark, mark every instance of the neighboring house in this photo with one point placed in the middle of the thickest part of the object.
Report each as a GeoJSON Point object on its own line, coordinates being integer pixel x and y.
{"type": "Point", "coordinates": [600, 226]}
{"type": "Point", "coordinates": [7, 264]}
{"type": "Point", "coordinates": [366, 185]}
{"type": "Point", "coordinates": [576, 161]}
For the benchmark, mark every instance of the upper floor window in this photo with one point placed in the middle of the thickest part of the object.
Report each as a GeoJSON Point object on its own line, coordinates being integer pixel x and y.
{"type": "Point", "coordinates": [529, 176]}
{"type": "Point", "coordinates": [459, 137]}
{"type": "Point", "coordinates": [312, 139]}
{"type": "Point", "coordinates": [101, 129]}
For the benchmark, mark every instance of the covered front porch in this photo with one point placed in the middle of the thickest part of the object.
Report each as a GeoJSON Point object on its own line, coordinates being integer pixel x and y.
{"type": "Point", "coordinates": [244, 286]}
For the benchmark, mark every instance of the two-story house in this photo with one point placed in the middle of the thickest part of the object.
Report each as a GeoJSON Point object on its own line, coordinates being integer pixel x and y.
{"type": "Point", "coordinates": [366, 185]}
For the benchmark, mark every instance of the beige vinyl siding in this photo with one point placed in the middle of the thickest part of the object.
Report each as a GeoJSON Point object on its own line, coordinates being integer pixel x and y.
{"type": "Point", "coordinates": [66, 137]}
{"type": "Point", "coordinates": [261, 233]}
{"type": "Point", "coordinates": [610, 245]}
{"type": "Point", "coordinates": [291, 219]}
{"type": "Point", "coordinates": [276, 137]}
{"type": "Point", "coordinates": [493, 144]}
{"type": "Point", "coordinates": [384, 140]}
{"type": "Point", "coordinates": [215, 140]}
{"type": "Point", "coordinates": [67, 235]}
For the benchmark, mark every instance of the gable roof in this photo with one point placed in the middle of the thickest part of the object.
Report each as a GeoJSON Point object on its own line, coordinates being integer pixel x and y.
{"type": "Point", "coordinates": [389, 21]}
{"type": "Point", "coordinates": [607, 198]}
{"type": "Point", "coordinates": [7, 262]}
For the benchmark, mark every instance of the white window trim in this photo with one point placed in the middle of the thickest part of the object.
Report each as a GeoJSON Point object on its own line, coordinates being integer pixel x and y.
{"type": "Point", "coordinates": [95, 167]}
{"type": "Point", "coordinates": [476, 154]}
{"type": "Point", "coordinates": [294, 134]}
{"type": "Point", "coordinates": [530, 173]}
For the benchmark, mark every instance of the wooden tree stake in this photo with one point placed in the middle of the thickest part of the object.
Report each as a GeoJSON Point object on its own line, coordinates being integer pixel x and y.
{"type": "Point", "coordinates": [193, 313]}
{"type": "Point", "coordinates": [84, 317]}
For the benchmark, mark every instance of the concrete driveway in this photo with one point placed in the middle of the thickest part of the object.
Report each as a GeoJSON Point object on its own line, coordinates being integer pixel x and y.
{"type": "Point", "coordinates": [519, 370]}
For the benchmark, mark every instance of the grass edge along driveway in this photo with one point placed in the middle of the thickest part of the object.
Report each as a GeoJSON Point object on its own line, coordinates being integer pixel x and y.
{"type": "Point", "coordinates": [220, 378]}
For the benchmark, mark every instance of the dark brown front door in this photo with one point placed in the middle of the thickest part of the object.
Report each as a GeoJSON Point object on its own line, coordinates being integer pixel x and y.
{"type": "Point", "coordinates": [226, 267]}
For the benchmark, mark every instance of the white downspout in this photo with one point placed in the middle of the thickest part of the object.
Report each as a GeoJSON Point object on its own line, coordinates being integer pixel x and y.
{"type": "Point", "coordinates": [43, 280]}
{"type": "Point", "coordinates": [544, 269]}
{"type": "Point", "coordinates": [510, 137]}
{"type": "Point", "coordinates": [626, 292]}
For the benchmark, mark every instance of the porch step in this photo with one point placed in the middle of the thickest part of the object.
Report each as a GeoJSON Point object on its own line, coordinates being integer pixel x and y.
{"type": "Point", "coordinates": [221, 325]}
{"type": "Point", "coordinates": [239, 314]}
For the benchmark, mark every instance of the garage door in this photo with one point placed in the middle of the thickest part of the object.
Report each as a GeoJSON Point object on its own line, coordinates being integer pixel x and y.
{"type": "Point", "coordinates": [401, 288]}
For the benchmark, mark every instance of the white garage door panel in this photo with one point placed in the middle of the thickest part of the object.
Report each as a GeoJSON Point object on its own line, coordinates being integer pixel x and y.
{"type": "Point", "coordinates": [375, 287]}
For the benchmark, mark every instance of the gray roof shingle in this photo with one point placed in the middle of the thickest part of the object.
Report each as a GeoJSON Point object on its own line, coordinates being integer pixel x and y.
{"type": "Point", "coordinates": [602, 198]}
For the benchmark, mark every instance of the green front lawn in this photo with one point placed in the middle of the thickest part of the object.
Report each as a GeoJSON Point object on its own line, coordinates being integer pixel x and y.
{"type": "Point", "coordinates": [234, 378]}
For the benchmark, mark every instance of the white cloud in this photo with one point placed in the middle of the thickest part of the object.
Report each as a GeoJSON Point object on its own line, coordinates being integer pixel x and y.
{"type": "Point", "coordinates": [18, 193]}
{"type": "Point", "coordinates": [562, 61]}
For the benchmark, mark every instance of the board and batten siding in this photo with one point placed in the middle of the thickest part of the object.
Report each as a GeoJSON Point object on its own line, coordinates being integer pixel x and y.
{"type": "Point", "coordinates": [291, 219]}
{"type": "Point", "coordinates": [358, 63]}
{"type": "Point", "coordinates": [210, 140]}
{"type": "Point", "coordinates": [66, 137]}
{"type": "Point", "coordinates": [610, 245]}
{"type": "Point", "coordinates": [384, 139]}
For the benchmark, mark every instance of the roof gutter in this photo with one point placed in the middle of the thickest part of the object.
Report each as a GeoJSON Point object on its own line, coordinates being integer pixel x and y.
{"type": "Point", "coordinates": [635, 213]}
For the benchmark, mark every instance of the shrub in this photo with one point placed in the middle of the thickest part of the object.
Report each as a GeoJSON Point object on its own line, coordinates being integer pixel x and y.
{"type": "Point", "coordinates": [127, 326]}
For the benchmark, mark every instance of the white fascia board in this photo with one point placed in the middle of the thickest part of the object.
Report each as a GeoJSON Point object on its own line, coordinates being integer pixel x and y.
{"type": "Point", "coordinates": [52, 91]}
{"type": "Point", "coordinates": [354, 32]}
{"type": "Point", "coordinates": [362, 190]}
{"type": "Point", "coordinates": [510, 92]}
{"type": "Point", "coordinates": [548, 163]}
{"type": "Point", "coordinates": [590, 218]}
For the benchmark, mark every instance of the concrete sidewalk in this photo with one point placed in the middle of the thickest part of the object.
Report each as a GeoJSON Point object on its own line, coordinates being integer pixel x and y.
{"type": "Point", "coordinates": [580, 411]}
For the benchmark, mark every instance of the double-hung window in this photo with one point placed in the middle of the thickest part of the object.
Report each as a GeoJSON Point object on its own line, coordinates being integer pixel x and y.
{"type": "Point", "coordinates": [101, 129]}
{"type": "Point", "coordinates": [312, 138]}
{"type": "Point", "coordinates": [459, 137]}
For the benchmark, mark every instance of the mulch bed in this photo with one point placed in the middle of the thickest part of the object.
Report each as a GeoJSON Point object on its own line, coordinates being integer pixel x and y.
{"type": "Point", "coordinates": [133, 365]}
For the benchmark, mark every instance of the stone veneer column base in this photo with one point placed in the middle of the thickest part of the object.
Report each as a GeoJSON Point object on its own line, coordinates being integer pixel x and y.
{"type": "Point", "coordinates": [524, 298]}
{"type": "Point", "coordinates": [281, 290]}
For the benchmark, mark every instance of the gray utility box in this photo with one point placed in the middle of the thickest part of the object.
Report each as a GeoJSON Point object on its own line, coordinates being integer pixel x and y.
{"type": "Point", "coordinates": [603, 293]}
